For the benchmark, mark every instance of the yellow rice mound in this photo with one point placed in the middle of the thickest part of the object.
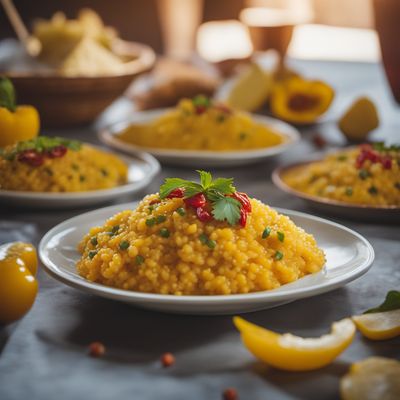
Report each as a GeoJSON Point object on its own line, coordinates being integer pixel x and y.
{"type": "Point", "coordinates": [241, 261]}
{"type": "Point", "coordinates": [82, 170]}
{"type": "Point", "coordinates": [213, 130]}
{"type": "Point", "coordinates": [336, 177]}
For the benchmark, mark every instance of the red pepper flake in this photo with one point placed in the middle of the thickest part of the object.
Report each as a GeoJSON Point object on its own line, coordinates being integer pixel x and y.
{"type": "Point", "coordinates": [319, 141]}
{"type": "Point", "coordinates": [367, 152]}
{"type": "Point", "coordinates": [203, 215]}
{"type": "Point", "coordinates": [196, 201]}
{"type": "Point", "coordinates": [96, 349]}
{"type": "Point", "coordinates": [31, 157]}
{"type": "Point", "coordinates": [230, 394]}
{"type": "Point", "coordinates": [243, 217]}
{"type": "Point", "coordinates": [57, 151]}
{"type": "Point", "coordinates": [177, 193]}
{"type": "Point", "coordinates": [167, 360]}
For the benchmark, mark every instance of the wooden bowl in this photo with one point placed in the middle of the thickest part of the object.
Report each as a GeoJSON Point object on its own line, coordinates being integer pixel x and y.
{"type": "Point", "coordinates": [65, 101]}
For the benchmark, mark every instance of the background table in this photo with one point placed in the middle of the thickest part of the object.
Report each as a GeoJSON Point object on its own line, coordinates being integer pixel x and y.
{"type": "Point", "coordinates": [43, 356]}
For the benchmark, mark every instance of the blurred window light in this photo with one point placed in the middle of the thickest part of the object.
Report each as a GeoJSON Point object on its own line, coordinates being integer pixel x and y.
{"type": "Point", "coordinates": [223, 40]}
{"type": "Point", "coordinates": [322, 42]}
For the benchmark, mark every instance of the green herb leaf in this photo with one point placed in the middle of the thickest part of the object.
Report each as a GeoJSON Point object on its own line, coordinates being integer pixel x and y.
{"type": "Point", "coordinates": [7, 94]}
{"type": "Point", "coordinates": [223, 185]}
{"type": "Point", "coordinates": [150, 221]}
{"type": "Point", "coordinates": [164, 232]}
{"type": "Point", "coordinates": [160, 219]}
{"type": "Point", "coordinates": [139, 259]}
{"type": "Point", "coordinates": [181, 211]}
{"type": "Point", "coordinates": [124, 245]}
{"type": "Point", "coordinates": [281, 236]}
{"type": "Point", "coordinates": [227, 209]}
{"type": "Point", "coordinates": [392, 302]}
{"type": "Point", "coordinates": [205, 179]}
{"type": "Point", "coordinates": [191, 188]}
{"type": "Point", "coordinates": [93, 240]}
{"type": "Point", "coordinates": [266, 233]}
{"type": "Point", "coordinates": [349, 191]}
{"type": "Point", "coordinates": [278, 255]}
{"type": "Point", "coordinates": [92, 253]}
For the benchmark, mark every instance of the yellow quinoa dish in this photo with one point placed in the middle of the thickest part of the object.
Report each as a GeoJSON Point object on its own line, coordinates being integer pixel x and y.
{"type": "Point", "coordinates": [181, 243]}
{"type": "Point", "coordinates": [199, 124]}
{"type": "Point", "coordinates": [365, 175]}
{"type": "Point", "coordinates": [47, 164]}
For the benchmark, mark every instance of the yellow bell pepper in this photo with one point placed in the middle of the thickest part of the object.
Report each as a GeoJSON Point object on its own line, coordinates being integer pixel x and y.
{"type": "Point", "coordinates": [18, 285]}
{"type": "Point", "coordinates": [17, 123]}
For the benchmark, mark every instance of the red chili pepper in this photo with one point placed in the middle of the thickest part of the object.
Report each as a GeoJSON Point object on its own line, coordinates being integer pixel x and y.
{"type": "Point", "coordinates": [176, 194]}
{"type": "Point", "coordinates": [243, 217]}
{"type": "Point", "coordinates": [31, 157]}
{"type": "Point", "coordinates": [198, 200]}
{"type": "Point", "coordinates": [57, 151]}
{"type": "Point", "coordinates": [203, 215]}
{"type": "Point", "coordinates": [244, 200]}
{"type": "Point", "coordinates": [386, 162]}
{"type": "Point", "coordinates": [200, 109]}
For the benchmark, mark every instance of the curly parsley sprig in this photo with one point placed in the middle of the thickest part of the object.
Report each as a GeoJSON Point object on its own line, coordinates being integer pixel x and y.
{"type": "Point", "coordinates": [224, 208]}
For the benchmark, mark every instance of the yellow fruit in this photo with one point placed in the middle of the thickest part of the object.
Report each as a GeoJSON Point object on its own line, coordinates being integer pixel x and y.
{"type": "Point", "coordinates": [360, 119]}
{"type": "Point", "coordinates": [294, 353]}
{"type": "Point", "coordinates": [251, 89]}
{"type": "Point", "coordinates": [380, 325]}
{"type": "Point", "coordinates": [375, 378]}
{"type": "Point", "coordinates": [18, 286]}
{"type": "Point", "coordinates": [300, 101]}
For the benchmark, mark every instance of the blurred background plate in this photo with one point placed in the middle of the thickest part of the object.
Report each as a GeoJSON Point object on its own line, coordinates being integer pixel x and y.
{"type": "Point", "coordinates": [200, 159]}
{"type": "Point", "coordinates": [388, 214]}
{"type": "Point", "coordinates": [348, 256]}
{"type": "Point", "coordinates": [142, 167]}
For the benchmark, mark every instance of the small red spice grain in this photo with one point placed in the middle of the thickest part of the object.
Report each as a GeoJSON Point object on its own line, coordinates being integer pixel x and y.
{"type": "Point", "coordinates": [319, 141]}
{"type": "Point", "coordinates": [230, 394]}
{"type": "Point", "coordinates": [167, 359]}
{"type": "Point", "coordinates": [96, 349]}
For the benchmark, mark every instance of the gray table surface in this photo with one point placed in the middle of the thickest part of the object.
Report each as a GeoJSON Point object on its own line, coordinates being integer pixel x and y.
{"type": "Point", "coordinates": [43, 356]}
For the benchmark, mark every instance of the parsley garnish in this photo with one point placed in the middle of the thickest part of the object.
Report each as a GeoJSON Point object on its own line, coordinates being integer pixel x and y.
{"type": "Point", "coordinates": [223, 208]}
{"type": "Point", "coordinates": [266, 233]}
{"type": "Point", "coordinates": [392, 302]}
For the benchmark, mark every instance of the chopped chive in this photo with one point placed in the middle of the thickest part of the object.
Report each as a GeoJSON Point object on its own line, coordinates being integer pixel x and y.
{"type": "Point", "coordinates": [242, 135]}
{"type": "Point", "coordinates": [82, 178]}
{"type": "Point", "coordinates": [373, 190]}
{"type": "Point", "coordinates": [181, 211]}
{"type": "Point", "coordinates": [104, 172]}
{"type": "Point", "coordinates": [92, 253]}
{"type": "Point", "coordinates": [342, 157]}
{"type": "Point", "coordinates": [203, 238]}
{"type": "Point", "coordinates": [211, 243]}
{"type": "Point", "coordinates": [150, 221]}
{"type": "Point", "coordinates": [363, 174]}
{"type": "Point", "coordinates": [266, 233]}
{"type": "Point", "coordinates": [49, 171]}
{"type": "Point", "coordinates": [139, 259]}
{"type": "Point", "coordinates": [115, 229]}
{"type": "Point", "coordinates": [349, 191]}
{"type": "Point", "coordinates": [281, 236]}
{"type": "Point", "coordinates": [278, 255]}
{"type": "Point", "coordinates": [150, 209]}
{"type": "Point", "coordinates": [164, 232]}
{"type": "Point", "coordinates": [93, 240]}
{"type": "Point", "coordinates": [220, 118]}
{"type": "Point", "coordinates": [75, 167]}
{"type": "Point", "coordinates": [160, 219]}
{"type": "Point", "coordinates": [124, 245]}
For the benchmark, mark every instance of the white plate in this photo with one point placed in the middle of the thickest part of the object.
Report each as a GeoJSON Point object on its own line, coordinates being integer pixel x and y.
{"type": "Point", "coordinates": [196, 158]}
{"type": "Point", "coordinates": [142, 167]}
{"type": "Point", "coordinates": [348, 255]}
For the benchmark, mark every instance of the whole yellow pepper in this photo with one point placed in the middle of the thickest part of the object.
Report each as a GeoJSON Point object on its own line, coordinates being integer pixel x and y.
{"type": "Point", "coordinates": [18, 285]}
{"type": "Point", "coordinates": [17, 123]}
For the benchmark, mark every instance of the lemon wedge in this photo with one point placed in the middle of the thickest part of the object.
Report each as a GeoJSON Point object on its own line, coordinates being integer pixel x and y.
{"type": "Point", "coordinates": [250, 90]}
{"type": "Point", "coordinates": [375, 378]}
{"type": "Point", "coordinates": [294, 353]}
{"type": "Point", "coordinates": [380, 325]}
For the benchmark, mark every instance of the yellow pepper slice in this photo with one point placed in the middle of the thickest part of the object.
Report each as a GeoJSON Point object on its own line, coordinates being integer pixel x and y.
{"type": "Point", "coordinates": [17, 123]}
{"type": "Point", "coordinates": [18, 286]}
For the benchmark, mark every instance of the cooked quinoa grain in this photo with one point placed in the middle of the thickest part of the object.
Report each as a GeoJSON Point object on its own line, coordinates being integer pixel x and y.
{"type": "Point", "coordinates": [196, 257]}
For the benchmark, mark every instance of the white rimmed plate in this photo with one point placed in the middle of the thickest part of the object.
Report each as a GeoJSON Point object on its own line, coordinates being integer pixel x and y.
{"type": "Point", "coordinates": [142, 167]}
{"type": "Point", "coordinates": [348, 254]}
{"type": "Point", "coordinates": [195, 158]}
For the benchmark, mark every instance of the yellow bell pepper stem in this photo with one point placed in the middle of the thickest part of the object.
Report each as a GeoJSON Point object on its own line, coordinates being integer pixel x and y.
{"type": "Point", "coordinates": [17, 123]}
